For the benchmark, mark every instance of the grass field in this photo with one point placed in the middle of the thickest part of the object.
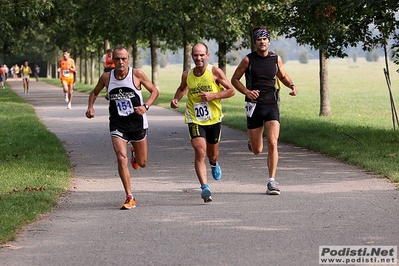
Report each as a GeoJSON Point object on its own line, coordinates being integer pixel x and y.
{"type": "Point", "coordinates": [360, 131]}
{"type": "Point", "coordinates": [34, 167]}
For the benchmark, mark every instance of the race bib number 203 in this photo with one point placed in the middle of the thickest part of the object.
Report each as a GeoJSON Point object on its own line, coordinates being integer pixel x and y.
{"type": "Point", "coordinates": [202, 111]}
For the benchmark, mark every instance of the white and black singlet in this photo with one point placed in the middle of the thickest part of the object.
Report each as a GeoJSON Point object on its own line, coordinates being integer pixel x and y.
{"type": "Point", "coordinates": [123, 97]}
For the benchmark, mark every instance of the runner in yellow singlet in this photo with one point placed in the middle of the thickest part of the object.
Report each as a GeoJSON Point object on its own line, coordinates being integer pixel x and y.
{"type": "Point", "coordinates": [26, 71]}
{"type": "Point", "coordinates": [205, 86]}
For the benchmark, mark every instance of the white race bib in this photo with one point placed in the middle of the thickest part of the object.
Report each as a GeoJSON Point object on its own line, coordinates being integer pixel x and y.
{"type": "Point", "coordinates": [250, 108]}
{"type": "Point", "coordinates": [202, 111]}
{"type": "Point", "coordinates": [124, 106]}
{"type": "Point", "coordinates": [65, 73]}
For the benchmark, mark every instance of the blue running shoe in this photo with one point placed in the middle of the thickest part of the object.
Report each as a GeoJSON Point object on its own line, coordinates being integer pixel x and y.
{"type": "Point", "coordinates": [216, 172]}
{"type": "Point", "coordinates": [206, 194]}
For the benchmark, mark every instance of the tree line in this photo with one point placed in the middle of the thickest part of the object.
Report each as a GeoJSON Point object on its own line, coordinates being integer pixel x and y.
{"type": "Point", "coordinates": [43, 28]}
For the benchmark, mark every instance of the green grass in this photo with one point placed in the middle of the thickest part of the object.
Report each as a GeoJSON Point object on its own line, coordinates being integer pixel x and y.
{"type": "Point", "coordinates": [34, 169]}
{"type": "Point", "coordinates": [360, 131]}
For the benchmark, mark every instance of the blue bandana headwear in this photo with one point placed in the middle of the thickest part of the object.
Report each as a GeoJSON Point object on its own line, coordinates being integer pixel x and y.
{"type": "Point", "coordinates": [261, 33]}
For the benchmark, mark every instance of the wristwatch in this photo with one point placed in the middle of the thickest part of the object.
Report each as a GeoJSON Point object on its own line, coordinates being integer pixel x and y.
{"type": "Point", "coordinates": [146, 106]}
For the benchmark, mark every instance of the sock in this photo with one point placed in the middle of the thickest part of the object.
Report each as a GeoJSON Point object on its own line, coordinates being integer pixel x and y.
{"type": "Point", "coordinates": [270, 179]}
{"type": "Point", "coordinates": [204, 186]}
{"type": "Point", "coordinates": [129, 196]}
{"type": "Point", "coordinates": [213, 164]}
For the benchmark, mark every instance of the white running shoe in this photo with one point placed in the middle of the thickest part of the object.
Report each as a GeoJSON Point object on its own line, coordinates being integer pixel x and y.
{"type": "Point", "coordinates": [69, 105]}
{"type": "Point", "coordinates": [66, 97]}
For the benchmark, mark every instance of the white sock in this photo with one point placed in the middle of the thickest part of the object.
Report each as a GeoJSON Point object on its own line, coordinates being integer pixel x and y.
{"type": "Point", "coordinates": [270, 179]}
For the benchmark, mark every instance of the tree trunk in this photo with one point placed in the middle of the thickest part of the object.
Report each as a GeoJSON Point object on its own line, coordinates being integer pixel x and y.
{"type": "Point", "coordinates": [325, 109]}
{"type": "Point", "coordinates": [187, 57]}
{"type": "Point", "coordinates": [86, 70]}
{"type": "Point", "coordinates": [80, 65]}
{"type": "Point", "coordinates": [222, 56]}
{"type": "Point", "coordinates": [100, 64]}
{"type": "Point", "coordinates": [56, 63]}
{"type": "Point", "coordinates": [93, 68]}
{"type": "Point", "coordinates": [49, 70]}
{"type": "Point", "coordinates": [135, 54]}
{"type": "Point", "coordinates": [154, 61]}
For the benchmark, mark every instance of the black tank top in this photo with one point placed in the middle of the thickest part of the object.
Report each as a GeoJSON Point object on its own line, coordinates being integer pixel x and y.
{"type": "Point", "coordinates": [261, 75]}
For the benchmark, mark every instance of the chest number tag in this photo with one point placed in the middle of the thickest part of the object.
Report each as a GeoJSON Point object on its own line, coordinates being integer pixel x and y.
{"type": "Point", "coordinates": [250, 108]}
{"type": "Point", "coordinates": [66, 73]}
{"type": "Point", "coordinates": [124, 106]}
{"type": "Point", "coordinates": [202, 111]}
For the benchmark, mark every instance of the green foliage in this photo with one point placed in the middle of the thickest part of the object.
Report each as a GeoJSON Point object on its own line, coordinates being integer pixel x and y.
{"type": "Point", "coordinates": [336, 26]}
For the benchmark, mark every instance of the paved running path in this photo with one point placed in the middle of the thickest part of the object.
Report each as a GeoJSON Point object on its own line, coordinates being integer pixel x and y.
{"type": "Point", "coordinates": [323, 201]}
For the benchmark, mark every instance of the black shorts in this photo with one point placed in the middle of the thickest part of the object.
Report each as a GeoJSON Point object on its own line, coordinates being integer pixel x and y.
{"type": "Point", "coordinates": [211, 133]}
{"type": "Point", "coordinates": [136, 136]}
{"type": "Point", "coordinates": [262, 114]}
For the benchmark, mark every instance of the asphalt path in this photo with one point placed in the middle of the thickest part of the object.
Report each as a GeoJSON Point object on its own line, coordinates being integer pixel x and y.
{"type": "Point", "coordinates": [323, 201]}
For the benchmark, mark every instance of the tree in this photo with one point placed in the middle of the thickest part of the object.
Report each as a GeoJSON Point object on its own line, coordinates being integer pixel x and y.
{"type": "Point", "coordinates": [17, 16]}
{"type": "Point", "coordinates": [332, 26]}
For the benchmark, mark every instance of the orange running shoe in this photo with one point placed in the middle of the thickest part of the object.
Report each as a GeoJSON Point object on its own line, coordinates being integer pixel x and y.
{"type": "Point", "coordinates": [135, 165]}
{"type": "Point", "coordinates": [129, 203]}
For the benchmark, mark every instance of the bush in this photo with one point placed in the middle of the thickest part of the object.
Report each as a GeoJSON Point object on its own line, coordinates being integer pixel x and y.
{"type": "Point", "coordinates": [304, 57]}
{"type": "Point", "coordinates": [281, 53]}
{"type": "Point", "coordinates": [372, 56]}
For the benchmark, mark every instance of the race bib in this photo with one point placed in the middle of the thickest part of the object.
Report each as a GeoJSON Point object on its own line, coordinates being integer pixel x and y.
{"type": "Point", "coordinates": [65, 73]}
{"type": "Point", "coordinates": [202, 111]}
{"type": "Point", "coordinates": [124, 106]}
{"type": "Point", "coordinates": [250, 108]}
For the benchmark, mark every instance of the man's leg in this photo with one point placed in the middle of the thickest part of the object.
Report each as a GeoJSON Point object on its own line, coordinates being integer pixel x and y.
{"type": "Point", "coordinates": [141, 152]}
{"type": "Point", "coordinates": [256, 140]}
{"type": "Point", "coordinates": [70, 92]}
{"type": "Point", "coordinates": [212, 151]}
{"type": "Point", "coordinates": [122, 159]}
{"type": "Point", "coordinates": [64, 86]}
{"type": "Point", "coordinates": [272, 129]}
{"type": "Point", "coordinates": [199, 146]}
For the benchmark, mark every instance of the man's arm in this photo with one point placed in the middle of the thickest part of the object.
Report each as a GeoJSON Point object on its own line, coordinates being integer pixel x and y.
{"type": "Point", "coordinates": [142, 79]}
{"type": "Point", "coordinates": [285, 79]}
{"type": "Point", "coordinates": [102, 82]}
{"type": "Point", "coordinates": [180, 92]}
{"type": "Point", "coordinates": [235, 80]}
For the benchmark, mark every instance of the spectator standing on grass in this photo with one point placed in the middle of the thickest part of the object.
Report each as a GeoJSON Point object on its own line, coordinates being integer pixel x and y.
{"type": "Point", "coordinates": [26, 71]}
{"type": "Point", "coordinates": [262, 109]}
{"type": "Point", "coordinates": [2, 77]}
{"type": "Point", "coordinates": [205, 86]}
{"type": "Point", "coordinates": [127, 115]}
